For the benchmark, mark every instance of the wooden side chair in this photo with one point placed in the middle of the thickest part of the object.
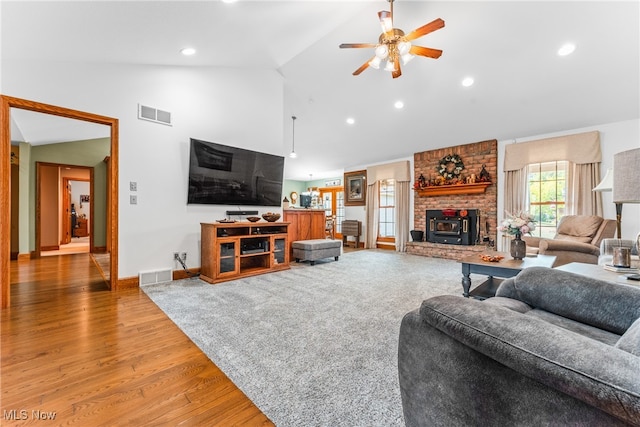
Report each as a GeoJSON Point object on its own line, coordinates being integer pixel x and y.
{"type": "Point", "coordinates": [329, 227]}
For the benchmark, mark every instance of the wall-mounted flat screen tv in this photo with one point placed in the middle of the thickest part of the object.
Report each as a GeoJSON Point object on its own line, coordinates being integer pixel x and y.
{"type": "Point", "coordinates": [223, 175]}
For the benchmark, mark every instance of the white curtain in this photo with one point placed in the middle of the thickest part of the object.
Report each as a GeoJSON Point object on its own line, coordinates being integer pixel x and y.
{"type": "Point", "coordinates": [403, 190]}
{"type": "Point", "coordinates": [579, 148]}
{"type": "Point", "coordinates": [515, 191]}
{"type": "Point", "coordinates": [581, 200]}
{"type": "Point", "coordinates": [515, 197]}
{"type": "Point", "coordinates": [396, 170]}
{"type": "Point", "coordinates": [373, 203]}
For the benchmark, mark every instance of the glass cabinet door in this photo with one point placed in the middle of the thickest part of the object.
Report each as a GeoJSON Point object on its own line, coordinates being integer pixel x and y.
{"type": "Point", "coordinates": [279, 250]}
{"type": "Point", "coordinates": [227, 258]}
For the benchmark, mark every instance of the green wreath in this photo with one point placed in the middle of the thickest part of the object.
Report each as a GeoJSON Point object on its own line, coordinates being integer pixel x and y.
{"type": "Point", "coordinates": [450, 167]}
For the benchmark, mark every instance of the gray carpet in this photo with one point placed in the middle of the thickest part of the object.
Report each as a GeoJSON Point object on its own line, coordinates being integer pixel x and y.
{"type": "Point", "coordinates": [314, 345]}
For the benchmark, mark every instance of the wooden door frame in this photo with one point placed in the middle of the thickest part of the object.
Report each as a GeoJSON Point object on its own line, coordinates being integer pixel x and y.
{"type": "Point", "coordinates": [8, 102]}
{"type": "Point", "coordinates": [37, 253]}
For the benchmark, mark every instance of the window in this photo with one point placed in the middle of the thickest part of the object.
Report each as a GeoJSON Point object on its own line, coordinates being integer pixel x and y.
{"type": "Point", "coordinates": [386, 219]}
{"type": "Point", "coordinates": [547, 186]}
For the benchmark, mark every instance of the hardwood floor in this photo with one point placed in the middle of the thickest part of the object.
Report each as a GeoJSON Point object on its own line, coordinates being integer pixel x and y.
{"type": "Point", "coordinates": [88, 356]}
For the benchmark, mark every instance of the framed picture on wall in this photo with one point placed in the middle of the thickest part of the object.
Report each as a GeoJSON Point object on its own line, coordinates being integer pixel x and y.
{"type": "Point", "coordinates": [355, 188]}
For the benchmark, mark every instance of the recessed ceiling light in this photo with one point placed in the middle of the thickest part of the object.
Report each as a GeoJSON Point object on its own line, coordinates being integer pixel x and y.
{"type": "Point", "coordinates": [467, 81]}
{"type": "Point", "coordinates": [399, 104]}
{"type": "Point", "coordinates": [350, 120]}
{"type": "Point", "coordinates": [188, 51]}
{"type": "Point", "coordinates": [566, 49]}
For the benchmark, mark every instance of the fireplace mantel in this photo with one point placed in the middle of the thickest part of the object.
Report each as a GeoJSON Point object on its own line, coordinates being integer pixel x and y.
{"type": "Point", "coordinates": [445, 190]}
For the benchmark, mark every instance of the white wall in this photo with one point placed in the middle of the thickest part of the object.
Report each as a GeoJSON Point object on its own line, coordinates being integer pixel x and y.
{"type": "Point", "coordinates": [614, 138]}
{"type": "Point", "coordinates": [241, 108]}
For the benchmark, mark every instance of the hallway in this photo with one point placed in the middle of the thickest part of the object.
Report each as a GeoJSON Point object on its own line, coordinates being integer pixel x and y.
{"type": "Point", "coordinates": [78, 245]}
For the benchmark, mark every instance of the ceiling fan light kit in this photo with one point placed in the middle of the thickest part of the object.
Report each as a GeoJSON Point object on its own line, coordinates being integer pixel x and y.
{"type": "Point", "coordinates": [394, 46]}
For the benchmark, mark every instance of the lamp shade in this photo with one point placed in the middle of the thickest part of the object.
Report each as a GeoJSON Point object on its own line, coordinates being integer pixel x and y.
{"type": "Point", "coordinates": [626, 173]}
{"type": "Point", "coordinates": [607, 182]}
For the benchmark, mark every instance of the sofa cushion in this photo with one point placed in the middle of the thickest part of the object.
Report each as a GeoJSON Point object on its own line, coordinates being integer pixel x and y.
{"type": "Point", "coordinates": [600, 304]}
{"type": "Point", "coordinates": [580, 228]}
{"type": "Point", "coordinates": [511, 304]}
{"type": "Point", "coordinates": [603, 336]}
{"type": "Point", "coordinates": [630, 341]}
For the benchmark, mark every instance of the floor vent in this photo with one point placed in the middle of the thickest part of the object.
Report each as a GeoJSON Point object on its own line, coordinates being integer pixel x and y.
{"type": "Point", "coordinates": [154, 115]}
{"type": "Point", "coordinates": [153, 277]}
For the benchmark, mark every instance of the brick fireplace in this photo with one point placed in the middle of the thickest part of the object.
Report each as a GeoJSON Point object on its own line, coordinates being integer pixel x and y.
{"type": "Point", "coordinates": [457, 200]}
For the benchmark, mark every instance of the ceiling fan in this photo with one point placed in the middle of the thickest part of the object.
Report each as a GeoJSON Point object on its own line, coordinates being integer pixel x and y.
{"type": "Point", "coordinates": [394, 46]}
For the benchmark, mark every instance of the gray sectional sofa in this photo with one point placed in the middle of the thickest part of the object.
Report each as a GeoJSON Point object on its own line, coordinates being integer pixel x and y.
{"type": "Point", "coordinates": [550, 349]}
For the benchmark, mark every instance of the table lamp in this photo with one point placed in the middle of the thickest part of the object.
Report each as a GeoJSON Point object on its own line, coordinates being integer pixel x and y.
{"type": "Point", "coordinates": [607, 185]}
{"type": "Point", "coordinates": [626, 182]}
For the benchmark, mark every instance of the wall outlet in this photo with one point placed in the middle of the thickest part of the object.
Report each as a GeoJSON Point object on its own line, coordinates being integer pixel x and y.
{"type": "Point", "coordinates": [183, 255]}
{"type": "Point", "coordinates": [176, 256]}
{"type": "Point", "coordinates": [133, 186]}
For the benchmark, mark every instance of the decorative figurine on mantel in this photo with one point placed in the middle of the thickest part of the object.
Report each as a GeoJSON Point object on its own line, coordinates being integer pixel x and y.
{"type": "Point", "coordinates": [484, 175]}
{"type": "Point", "coordinates": [420, 183]}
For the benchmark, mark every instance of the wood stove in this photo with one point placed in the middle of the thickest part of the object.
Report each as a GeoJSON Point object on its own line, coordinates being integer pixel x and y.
{"type": "Point", "coordinates": [453, 226]}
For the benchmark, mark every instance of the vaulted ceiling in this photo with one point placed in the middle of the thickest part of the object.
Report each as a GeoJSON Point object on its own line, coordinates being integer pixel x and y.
{"type": "Point", "coordinates": [522, 87]}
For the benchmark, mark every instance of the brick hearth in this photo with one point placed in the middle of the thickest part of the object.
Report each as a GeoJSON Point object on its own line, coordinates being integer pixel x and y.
{"type": "Point", "coordinates": [438, 250]}
{"type": "Point", "coordinates": [473, 156]}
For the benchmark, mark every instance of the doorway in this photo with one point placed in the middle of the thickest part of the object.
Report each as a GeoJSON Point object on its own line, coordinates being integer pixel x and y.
{"type": "Point", "coordinates": [333, 204]}
{"type": "Point", "coordinates": [64, 200]}
{"type": "Point", "coordinates": [6, 105]}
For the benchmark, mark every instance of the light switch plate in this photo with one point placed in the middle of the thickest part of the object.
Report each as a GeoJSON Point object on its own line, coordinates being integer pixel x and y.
{"type": "Point", "coordinates": [133, 186]}
{"type": "Point", "coordinates": [133, 200]}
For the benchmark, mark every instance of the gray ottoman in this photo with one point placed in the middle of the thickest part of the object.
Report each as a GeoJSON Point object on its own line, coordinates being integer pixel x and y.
{"type": "Point", "coordinates": [312, 250]}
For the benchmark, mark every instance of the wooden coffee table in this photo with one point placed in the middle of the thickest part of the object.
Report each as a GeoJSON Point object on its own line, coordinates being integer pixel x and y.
{"type": "Point", "coordinates": [505, 268]}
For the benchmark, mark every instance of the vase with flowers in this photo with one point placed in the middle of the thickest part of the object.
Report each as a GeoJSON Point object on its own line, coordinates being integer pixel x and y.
{"type": "Point", "coordinates": [517, 225]}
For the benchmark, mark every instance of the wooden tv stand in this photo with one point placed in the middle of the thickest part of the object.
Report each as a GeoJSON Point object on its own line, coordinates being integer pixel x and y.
{"type": "Point", "coordinates": [240, 249]}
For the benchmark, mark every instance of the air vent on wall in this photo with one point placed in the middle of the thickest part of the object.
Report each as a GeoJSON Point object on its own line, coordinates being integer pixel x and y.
{"type": "Point", "coordinates": [153, 277]}
{"type": "Point", "coordinates": [154, 115]}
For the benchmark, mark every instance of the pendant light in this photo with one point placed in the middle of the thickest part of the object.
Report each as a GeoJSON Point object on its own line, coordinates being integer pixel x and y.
{"type": "Point", "coordinates": [293, 154]}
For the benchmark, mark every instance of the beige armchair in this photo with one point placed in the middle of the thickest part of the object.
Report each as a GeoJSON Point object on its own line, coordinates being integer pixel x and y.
{"type": "Point", "coordinates": [577, 239]}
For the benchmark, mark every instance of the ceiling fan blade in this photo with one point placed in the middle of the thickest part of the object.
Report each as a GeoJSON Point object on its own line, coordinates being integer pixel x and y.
{"type": "Point", "coordinates": [425, 51]}
{"type": "Point", "coordinates": [386, 20]}
{"type": "Point", "coordinates": [432, 26]}
{"type": "Point", "coordinates": [356, 45]}
{"type": "Point", "coordinates": [362, 67]}
{"type": "Point", "coordinates": [397, 72]}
